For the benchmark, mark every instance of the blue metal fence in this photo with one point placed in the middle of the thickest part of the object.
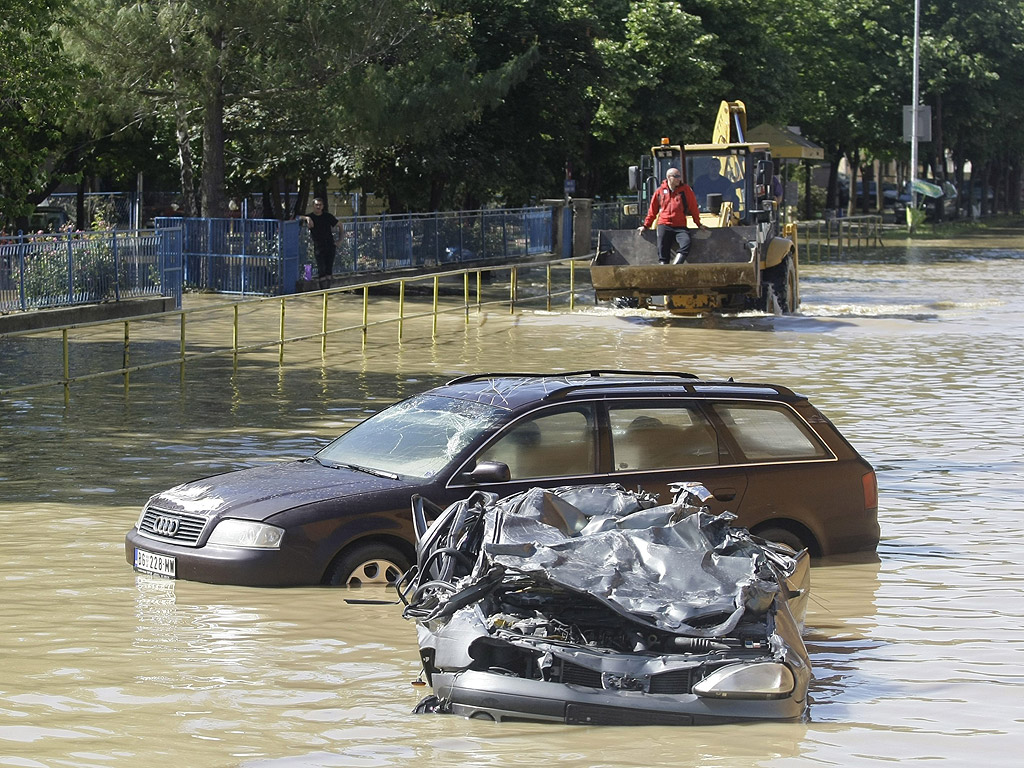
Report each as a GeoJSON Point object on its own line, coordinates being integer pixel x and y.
{"type": "Point", "coordinates": [238, 256]}
{"type": "Point", "coordinates": [381, 243]}
{"type": "Point", "coordinates": [250, 256]}
{"type": "Point", "coordinates": [612, 216]}
{"type": "Point", "coordinates": [265, 256]}
{"type": "Point", "coordinates": [72, 268]}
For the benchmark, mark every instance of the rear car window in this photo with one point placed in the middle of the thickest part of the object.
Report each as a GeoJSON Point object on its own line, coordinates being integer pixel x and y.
{"type": "Point", "coordinates": [769, 433]}
{"type": "Point", "coordinates": [660, 438]}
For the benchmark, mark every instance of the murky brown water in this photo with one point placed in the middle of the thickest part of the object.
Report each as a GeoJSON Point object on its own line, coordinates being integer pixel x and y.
{"type": "Point", "coordinates": [915, 353]}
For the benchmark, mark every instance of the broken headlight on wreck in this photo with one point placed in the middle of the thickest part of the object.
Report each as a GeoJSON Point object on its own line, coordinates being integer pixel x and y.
{"type": "Point", "coordinates": [761, 680]}
{"type": "Point", "coordinates": [592, 604]}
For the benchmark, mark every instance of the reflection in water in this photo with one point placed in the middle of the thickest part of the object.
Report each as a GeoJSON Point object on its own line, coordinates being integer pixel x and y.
{"type": "Point", "coordinates": [915, 357]}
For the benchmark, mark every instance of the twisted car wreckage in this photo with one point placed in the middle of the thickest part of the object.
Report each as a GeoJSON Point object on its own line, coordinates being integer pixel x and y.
{"type": "Point", "coordinates": [595, 605]}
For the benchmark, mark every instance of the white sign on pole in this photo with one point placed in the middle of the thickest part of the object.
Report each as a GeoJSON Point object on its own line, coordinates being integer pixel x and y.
{"type": "Point", "coordinates": [924, 122]}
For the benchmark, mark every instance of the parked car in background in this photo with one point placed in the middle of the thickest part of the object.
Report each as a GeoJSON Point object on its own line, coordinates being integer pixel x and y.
{"type": "Point", "coordinates": [49, 218]}
{"type": "Point", "coordinates": [341, 516]}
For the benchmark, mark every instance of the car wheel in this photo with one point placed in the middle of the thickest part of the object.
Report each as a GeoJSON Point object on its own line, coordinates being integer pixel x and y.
{"type": "Point", "coordinates": [782, 536]}
{"type": "Point", "coordinates": [367, 565]}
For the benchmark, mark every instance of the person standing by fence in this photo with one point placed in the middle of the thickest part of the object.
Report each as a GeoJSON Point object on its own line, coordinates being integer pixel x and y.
{"type": "Point", "coordinates": [321, 224]}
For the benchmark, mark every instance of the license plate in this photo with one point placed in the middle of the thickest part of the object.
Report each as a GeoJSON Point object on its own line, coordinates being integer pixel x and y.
{"type": "Point", "coordinates": [150, 562]}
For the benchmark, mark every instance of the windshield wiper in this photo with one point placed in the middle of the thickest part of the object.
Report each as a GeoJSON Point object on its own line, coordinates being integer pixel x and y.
{"type": "Point", "coordinates": [356, 468]}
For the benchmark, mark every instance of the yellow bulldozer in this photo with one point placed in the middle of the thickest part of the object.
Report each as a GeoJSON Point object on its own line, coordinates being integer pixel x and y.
{"type": "Point", "coordinates": [741, 262]}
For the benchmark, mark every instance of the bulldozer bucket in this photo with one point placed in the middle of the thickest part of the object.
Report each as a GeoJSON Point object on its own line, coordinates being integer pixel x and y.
{"type": "Point", "coordinates": [721, 262]}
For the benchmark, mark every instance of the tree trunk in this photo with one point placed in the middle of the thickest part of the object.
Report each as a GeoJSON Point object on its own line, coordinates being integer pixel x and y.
{"type": "Point", "coordinates": [185, 162]}
{"type": "Point", "coordinates": [851, 202]}
{"type": "Point", "coordinates": [832, 200]}
{"type": "Point", "coordinates": [302, 198]}
{"type": "Point", "coordinates": [213, 132]}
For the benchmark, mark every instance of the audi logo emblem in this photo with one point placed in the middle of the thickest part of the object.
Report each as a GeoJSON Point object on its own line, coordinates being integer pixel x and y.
{"type": "Point", "coordinates": [165, 526]}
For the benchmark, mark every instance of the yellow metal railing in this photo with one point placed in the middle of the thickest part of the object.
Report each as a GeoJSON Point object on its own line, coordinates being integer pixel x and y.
{"type": "Point", "coordinates": [182, 317]}
{"type": "Point", "coordinates": [830, 238]}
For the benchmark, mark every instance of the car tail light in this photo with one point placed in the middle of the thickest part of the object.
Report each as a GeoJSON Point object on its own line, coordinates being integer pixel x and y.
{"type": "Point", "coordinates": [870, 490]}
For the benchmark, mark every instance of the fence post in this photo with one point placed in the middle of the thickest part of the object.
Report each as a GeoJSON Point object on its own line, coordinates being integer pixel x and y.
{"type": "Point", "coordinates": [323, 327]}
{"type": "Point", "coordinates": [548, 285]}
{"type": "Point", "coordinates": [280, 353]}
{"type": "Point", "coordinates": [433, 328]}
{"type": "Point", "coordinates": [526, 232]}
{"type": "Point", "coordinates": [71, 271]}
{"type": "Point", "coordinates": [181, 346]}
{"type": "Point", "coordinates": [401, 308]}
{"type": "Point", "coordinates": [572, 285]}
{"type": "Point", "coordinates": [67, 365]}
{"type": "Point", "coordinates": [21, 270]}
{"type": "Point", "coordinates": [366, 311]}
{"type": "Point", "coordinates": [209, 253]}
{"type": "Point", "coordinates": [117, 266]}
{"type": "Point", "coordinates": [127, 356]}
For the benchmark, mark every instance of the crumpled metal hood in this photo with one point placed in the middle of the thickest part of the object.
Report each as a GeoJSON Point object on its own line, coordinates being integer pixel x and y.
{"type": "Point", "coordinates": [672, 566]}
{"type": "Point", "coordinates": [260, 492]}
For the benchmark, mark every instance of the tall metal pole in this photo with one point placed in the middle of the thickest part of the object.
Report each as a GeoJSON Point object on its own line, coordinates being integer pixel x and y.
{"type": "Point", "coordinates": [914, 104]}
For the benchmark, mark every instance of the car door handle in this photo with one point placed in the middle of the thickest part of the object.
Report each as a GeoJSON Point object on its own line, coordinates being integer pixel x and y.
{"type": "Point", "coordinates": [724, 494]}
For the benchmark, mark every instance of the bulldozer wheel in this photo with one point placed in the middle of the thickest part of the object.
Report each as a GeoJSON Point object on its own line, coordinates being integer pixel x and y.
{"type": "Point", "coordinates": [782, 280]}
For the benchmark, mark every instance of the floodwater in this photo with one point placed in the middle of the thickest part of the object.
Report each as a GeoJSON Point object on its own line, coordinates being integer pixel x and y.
{"type": "Point", "coordinates": [914, 352]}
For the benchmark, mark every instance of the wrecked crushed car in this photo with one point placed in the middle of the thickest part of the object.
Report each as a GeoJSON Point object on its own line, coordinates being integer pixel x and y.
{"type": "Point", "coordinates": [596, 605]}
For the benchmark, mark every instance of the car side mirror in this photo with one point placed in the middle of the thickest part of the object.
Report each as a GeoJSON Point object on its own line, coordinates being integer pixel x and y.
{"type": "Point", "coordinates": [489, 472]}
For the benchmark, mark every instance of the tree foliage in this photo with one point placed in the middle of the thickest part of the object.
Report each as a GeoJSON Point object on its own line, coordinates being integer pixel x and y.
{"type": "Point", "coordinates": [36, 94]}
{"type": "Point", "coordinates": [458, 103]}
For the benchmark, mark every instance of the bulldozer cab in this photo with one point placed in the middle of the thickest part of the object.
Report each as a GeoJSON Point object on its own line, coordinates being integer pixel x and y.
{"type": "Point", "coordinates": [719, 177]}
{"type": "Point", "coordinates": [730, 176]}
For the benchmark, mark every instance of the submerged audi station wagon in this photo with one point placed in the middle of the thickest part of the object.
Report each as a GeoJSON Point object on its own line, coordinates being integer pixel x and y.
{"type": "Point", "coordinates": [342, 516]}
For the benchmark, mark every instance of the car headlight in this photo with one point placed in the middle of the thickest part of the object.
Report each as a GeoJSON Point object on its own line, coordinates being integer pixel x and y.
{"type": "Point", "coordinates": [246, 533]}
{"type": "Point", "coordinates": [761, 680]}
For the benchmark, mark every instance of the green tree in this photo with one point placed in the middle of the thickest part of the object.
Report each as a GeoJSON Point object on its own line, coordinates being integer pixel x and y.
{"type": "Point", "coordinates": [265, 89]}
{"type": "Point", "coordinates": [36, 93]}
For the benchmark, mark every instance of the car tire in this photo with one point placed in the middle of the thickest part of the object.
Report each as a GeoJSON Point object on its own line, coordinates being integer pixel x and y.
{"type": "Point", "coordinates": [367, 565]}
{"type": "Point", "coordinates": [782, 536]}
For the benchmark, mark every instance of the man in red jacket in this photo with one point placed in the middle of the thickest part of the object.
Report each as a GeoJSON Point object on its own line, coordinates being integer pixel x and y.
{"type": "Point", "coordinates": [671, 203]}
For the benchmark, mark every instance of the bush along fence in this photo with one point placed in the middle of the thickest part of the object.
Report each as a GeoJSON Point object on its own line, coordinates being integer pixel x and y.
{"type": "Point", "coordinates": [66, 269]}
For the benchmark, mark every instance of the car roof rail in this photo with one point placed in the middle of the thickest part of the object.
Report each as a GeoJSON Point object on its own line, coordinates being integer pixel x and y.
{"type": "Point", "coordinates": [566, 374]}
{"type": "Point", "coordinates": [694, 388]}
